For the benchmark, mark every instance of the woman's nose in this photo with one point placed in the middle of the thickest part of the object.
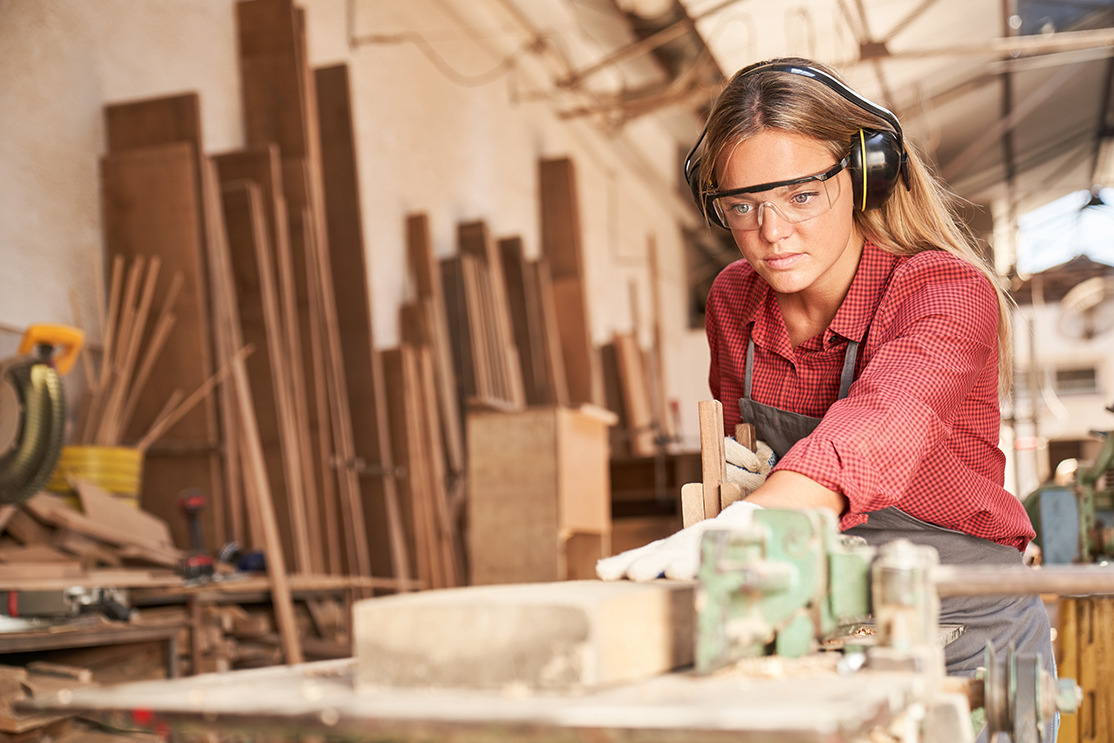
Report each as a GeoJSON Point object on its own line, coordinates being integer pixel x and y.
{"type": "Point", "coordinates": [771, 224]}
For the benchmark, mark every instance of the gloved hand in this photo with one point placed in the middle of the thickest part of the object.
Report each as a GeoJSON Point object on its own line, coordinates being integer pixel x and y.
{"type": "Point", "coordinates": [677, 556]}
{"type": "Point", "coordinates": [746, 468]}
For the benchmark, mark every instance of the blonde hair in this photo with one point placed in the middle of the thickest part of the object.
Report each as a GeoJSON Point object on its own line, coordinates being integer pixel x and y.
{"type": "Point", "coordinates": [909, 222]}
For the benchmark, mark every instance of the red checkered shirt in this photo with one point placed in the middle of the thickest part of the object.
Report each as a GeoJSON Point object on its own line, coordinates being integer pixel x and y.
{"type": "Point", "coordinates": [919, 428]}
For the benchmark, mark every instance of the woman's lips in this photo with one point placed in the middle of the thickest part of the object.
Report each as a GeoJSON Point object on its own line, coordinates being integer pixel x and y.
{"type": "Point", "coordinates": [782, 262]}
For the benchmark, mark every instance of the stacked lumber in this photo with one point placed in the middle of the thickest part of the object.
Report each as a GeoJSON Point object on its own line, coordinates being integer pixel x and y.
{"type": "Point", "coordinates": [485, 355]}
{"type": "Point", "coordinates": [35, 681]}
{"type": "Point", "coordinates": [217, 637]}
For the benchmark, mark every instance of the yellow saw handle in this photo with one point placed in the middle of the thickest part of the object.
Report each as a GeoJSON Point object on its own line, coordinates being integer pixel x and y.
{"type": "Point", "coordinates": [69, 339]}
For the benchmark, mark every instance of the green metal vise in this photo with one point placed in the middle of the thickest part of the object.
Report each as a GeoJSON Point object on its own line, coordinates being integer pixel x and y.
{"type": "Point", "coordinates": [778, 586]}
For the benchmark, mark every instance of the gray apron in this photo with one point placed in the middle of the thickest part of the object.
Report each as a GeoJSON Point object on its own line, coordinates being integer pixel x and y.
{"type": "Point", "coordinates": [1002, 620]}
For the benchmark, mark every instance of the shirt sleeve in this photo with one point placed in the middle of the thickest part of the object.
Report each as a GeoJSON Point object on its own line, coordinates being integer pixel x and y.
{"type": "Point", "coordinates": [935, 333]}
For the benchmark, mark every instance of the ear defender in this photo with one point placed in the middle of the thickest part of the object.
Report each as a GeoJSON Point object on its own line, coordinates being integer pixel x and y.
{"type": "Point", "coordinates": [876, 161]}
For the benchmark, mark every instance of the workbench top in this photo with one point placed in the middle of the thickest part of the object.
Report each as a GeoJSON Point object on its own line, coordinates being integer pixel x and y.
{"type": "Point", "coordinates": [321, 698]}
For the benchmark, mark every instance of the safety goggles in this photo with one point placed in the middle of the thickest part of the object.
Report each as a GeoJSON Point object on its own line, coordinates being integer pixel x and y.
{"type": "Point", "coordinates": [795, 200]}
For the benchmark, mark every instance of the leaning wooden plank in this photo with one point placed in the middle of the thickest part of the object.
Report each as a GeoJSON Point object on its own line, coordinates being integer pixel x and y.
{"type": "Point", "coordinates": [557, 636]}
{"type": "Point", "coordinates": [557, 386]}
{"type": "Point", "coordinates": [524, 320]}
{"type": "Point", "coordinates": [636, 395]}
{"type": "Point", "coordinates": [456, 314]}
{"type": "Point", "coordinates": [150, 207]}
{"type": "Point", "coordinates": [256, 295]}
{"type": "Point", "coordinates": [475, 239]}
{"type": "Point", "coordinates": [346, 261]}
{"type": "Point", "coordinates": [712, 459]}
{"type": "Point", "coordinates": [261, 165]}
{"type": "Point", "coordinates": [561, 246]}
{"type": "Point", "coordinates": [272, 78]}
{"type": "Point", "coordinates": [582, 372]}
{"type": "Point", "coordinates": [256, 470]}
{"type": "Point", "coordinates": [426, 271]}
{"type": "Point", "coordinates": [446, 503]}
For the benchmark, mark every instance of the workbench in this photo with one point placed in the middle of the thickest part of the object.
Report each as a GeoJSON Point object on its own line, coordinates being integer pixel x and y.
{"type": "Point", "coordinates": [815, 706]}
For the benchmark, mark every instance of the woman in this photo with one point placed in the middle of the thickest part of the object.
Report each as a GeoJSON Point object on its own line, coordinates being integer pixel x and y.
{"type": "Point", "coordinates": [863, 335]}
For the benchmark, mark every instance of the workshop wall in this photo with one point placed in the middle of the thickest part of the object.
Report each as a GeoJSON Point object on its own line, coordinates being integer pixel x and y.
{"type": "Point", "coordinates": [433, 135]}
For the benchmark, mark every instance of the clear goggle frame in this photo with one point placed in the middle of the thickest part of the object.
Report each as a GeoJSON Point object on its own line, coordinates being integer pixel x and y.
{"type": "Point", "coordinates": [795, 200]}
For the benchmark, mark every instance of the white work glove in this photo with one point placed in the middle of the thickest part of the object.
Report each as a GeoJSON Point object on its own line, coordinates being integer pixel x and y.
{"type": "Point", "coordinates": [746, 468]}
{"type": "Point", "coordinates": [678, 556]}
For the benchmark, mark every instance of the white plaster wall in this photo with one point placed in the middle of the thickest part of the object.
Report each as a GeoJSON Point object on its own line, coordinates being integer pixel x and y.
{"type": "Point", "coordinates": [425, 143]}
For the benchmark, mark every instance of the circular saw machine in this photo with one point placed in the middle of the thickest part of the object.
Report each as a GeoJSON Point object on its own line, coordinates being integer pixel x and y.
{"type": "Point", "coordinates": [33, 409]}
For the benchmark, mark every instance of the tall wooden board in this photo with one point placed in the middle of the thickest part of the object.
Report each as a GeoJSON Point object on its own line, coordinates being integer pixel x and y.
{"type": "Point", "coordinates": [561, 245]}
{"type": "Point", "coordinates": [362, 364]}
{"type": "Point", "coordinates": [150, 207]}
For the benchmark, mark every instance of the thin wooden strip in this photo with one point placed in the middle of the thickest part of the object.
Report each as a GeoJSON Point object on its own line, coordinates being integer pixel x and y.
{"type": "Point", "coordinates": [449, 547]}
{"type": "Point", "coordinates": [557, 382]}
{"type": "Point", "coordinates": [135, 337]}
{"type": "Point", "coordinates": [712, 462]}
{"type": "Point", "coordinates": [260, 492]}
{"type": "Point", "coordinates": [195, 397]}
{"type": "Point", "coordinates": [116, 361]}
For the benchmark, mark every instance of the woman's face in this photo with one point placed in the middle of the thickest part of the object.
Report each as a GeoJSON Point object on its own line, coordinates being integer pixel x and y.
{"type": "Point", "coordinates": [819, 254]}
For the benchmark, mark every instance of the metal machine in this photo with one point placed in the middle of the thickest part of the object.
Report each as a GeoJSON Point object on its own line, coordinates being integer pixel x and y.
{"type": "Point", "coordinates": [792, 582]}
{"type": "Point", "coordinates": [1076, 524]}
{"type": "Point", "coordinates": [33, 409]}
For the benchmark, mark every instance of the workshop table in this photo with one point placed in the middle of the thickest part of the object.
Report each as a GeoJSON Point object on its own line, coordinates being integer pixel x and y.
{"type": "Point", "coordinates": [320, 699]}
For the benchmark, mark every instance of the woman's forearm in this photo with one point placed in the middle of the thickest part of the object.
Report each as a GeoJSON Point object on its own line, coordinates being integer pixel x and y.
{"type": "Point", "coordinates": [792, 490]}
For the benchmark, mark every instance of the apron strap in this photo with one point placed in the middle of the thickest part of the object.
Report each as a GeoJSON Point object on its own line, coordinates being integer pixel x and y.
{"type": "Point", "coordinates": [848, 374]}
{"type": "Point", "coordinates": [750, 367]}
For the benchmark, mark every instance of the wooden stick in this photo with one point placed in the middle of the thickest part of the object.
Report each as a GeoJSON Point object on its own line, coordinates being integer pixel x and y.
{"type": "Point", "coordinates": [198, 395]}
{"type": "Point", "coordinates": [167, 407]}
{"type": "Point", "coordinates": [260, 492]}
{"type": "Point", "coordinates": [712, 462]}
{"type": "Point", "coordinates": [95, 394]}
{"type": "Point", "coordinates": [158, 339]}
{"type": "Point", "coordinates": [125, 331]}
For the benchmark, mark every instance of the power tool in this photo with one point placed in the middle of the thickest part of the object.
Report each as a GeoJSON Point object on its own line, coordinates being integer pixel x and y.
{"type": "Point", "coordinates": [33, 409]}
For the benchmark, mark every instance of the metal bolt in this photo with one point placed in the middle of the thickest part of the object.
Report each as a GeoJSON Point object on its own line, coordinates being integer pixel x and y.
{"type": "Point", "coordinates": [1068, 695]}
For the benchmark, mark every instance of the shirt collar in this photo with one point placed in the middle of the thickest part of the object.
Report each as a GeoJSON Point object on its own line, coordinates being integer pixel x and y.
{"type": "Point", "coordinates": [851, 320]}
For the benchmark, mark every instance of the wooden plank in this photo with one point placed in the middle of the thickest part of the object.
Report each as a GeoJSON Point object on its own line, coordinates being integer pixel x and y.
{"type": "Point", "coordinates": [557, 387]}
{"type": "Point", "coordinates": [522, 304]}
{"type": "Point", "coordinates": [276, 562]}
{"type": "Point", "coordinates": [712, 460]}
{"type": "Point", "coordinates": [474, 239]}
{"type": "Point", "coordinates": [561, 245]}
{"type": "Point", "coordinates": [634, 388]}
{"type": "Point", "coordinates": [430, 289]}
{"type": "Point", "coordinates": [25, 529]}
{"type": "Point", "coordinates": [150, 206]}
{"type": "Point", "coordinates": [445, 510]}
{"type": "Point", "coordinates": [257, 296]}
{"type": "Point", "coordinates": [349, 276]}
{"type": "Point", "coordinates": [581, 366]}
{"type": "Point", "coordinates": [404, 442]}
{"type": "Point", "coordinates": [560, 218]}
{"type": "Point", "coordinates": [155, 122]}
{"type": "Point", "coordinates": [456, 314]}
{"type": "Point", "coordinates": [596, 633]}
{"type": "Point", "coordinates": [272, 75]}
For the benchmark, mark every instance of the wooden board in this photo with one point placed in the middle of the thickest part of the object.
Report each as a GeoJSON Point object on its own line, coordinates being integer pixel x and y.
{"type": "Point", "coordinates": [582, 372]}
{"type": "Point", "coordinates": [426, 271]}
{"type": "Point", "coordinates": [575, 635]}
{"type": "Point", "coordinates": [151, 208]}
{"type": "Point", "coordinates": [261, 322]}
{"type": "Point", "coordinates": [346, 254]}
{"type": "Point", "coordinates": [635, 389]}
{"type": "Point", "coordinates": [156, 122]}
{"type": "Point", "coordinates": [522, 302]}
